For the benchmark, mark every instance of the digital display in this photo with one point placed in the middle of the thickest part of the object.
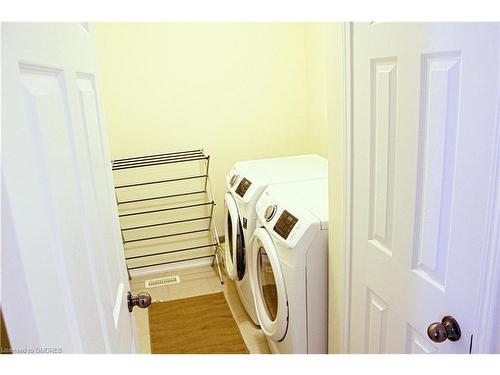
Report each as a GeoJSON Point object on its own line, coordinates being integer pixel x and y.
{"type": "Point", "coordinates": [285, 224]}
{"type": "Point", "coordinates": [243, 187]}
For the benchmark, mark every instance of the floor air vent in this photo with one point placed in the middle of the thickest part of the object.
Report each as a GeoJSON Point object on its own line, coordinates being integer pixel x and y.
{"type": "Point", "coordinates": [162, 281]}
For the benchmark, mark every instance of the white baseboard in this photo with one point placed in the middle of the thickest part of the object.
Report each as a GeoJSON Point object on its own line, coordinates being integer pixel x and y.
{"type": "Point", "coordinates": [171, 267]}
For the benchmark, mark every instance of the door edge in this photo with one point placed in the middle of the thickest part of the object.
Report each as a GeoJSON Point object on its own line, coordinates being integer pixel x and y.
{"type": "Point", "coordinates": [486, 341]}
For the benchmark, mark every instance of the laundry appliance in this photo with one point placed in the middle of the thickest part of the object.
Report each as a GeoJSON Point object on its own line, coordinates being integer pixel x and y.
{"type": "Point", "coordinates": [245, 183]}
{"type": "Point", "coordinates": [288, 266]}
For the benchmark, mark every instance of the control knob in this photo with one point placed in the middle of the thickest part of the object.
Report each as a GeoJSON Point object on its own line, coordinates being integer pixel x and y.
{"type": "Point", "coordinates": [270, 212]}
{"type": "Point", "coordinates": [233, 180]}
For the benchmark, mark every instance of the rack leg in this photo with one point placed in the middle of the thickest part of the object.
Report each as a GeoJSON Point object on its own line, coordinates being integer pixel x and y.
{"type": "Point", "coordinates": [206, 173]}
{"type": "Point", "coordinates": [215, 260]}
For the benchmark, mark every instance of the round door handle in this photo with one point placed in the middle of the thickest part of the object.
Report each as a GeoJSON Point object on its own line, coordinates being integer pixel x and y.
{"type": "Point", "coordinates": [447, 329]}
{"type": "Point", "coordinates": [142, 300]}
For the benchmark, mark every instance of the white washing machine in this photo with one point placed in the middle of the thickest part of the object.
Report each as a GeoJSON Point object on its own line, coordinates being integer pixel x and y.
{"type": "Point", "coordinates": [288, 266]}
{"type": "Point", "coordinates": [245, 183]}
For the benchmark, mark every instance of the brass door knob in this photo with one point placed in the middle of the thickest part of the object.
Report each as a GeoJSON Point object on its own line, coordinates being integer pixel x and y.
{"type": "Point", "coordinates": [142, 299]}
{"type": "Point", "coordinates": [447, 329]}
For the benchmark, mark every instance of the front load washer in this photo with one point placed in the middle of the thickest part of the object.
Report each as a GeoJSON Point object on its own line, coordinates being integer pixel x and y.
{"type": "Point", "coordinates": [288, 266]}
{"type": "Point", "coordinates": [245, 183]}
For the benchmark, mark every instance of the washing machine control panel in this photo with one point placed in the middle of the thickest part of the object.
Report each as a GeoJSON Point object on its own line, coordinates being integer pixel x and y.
{"type": "Point", "coordinates": [243, 187]}
{"type": "Point", "coordinates": [285, 224]}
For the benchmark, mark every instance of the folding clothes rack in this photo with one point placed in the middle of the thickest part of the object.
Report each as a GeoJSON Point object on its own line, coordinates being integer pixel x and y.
{"type": "Point", "coordinates": [155, 227]}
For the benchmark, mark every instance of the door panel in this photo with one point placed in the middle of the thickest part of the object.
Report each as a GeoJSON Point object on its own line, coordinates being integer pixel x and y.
{"type": "Point", "coordinates": [437, 150]}
{"type": "Point", "coordinates": [376, 323]}
{"type": "Point", "coordinates": [383, 117]}
{"type": "Point", "coordinates": [57, 175]}
{"type": "Point", "coordinates": [424, 105]}
{"type": "Point", "coordinates": [418, 344]}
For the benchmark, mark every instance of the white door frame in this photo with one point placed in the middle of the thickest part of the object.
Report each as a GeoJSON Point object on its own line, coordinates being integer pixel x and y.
{"type": "Point", "coordinates": [340, 129]}
{"type": "Point", "coordinates": [486, 337]}
{"type": "Point", "coordinates": [347, 188]}
{"type": "Point", "coordinates": [485, 340]}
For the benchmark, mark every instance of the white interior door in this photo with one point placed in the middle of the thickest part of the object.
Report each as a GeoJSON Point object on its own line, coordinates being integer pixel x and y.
{"type": "Point", "coordinates": [424, 108]}
{"type": "Point", "coordinates": [64, 280]}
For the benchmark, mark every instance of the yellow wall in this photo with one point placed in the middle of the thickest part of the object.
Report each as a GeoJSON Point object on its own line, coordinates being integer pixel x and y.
{"type": "Point", "coordinates": [337, 153]}
{"type": "Point", "coordinates": [318, 39]}
{"type": "Point", "coordinates": [240, 91]}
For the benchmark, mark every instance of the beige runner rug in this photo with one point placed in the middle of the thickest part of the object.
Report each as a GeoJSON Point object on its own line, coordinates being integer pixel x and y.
{"type": "Point", "coordinates": [196, 325]}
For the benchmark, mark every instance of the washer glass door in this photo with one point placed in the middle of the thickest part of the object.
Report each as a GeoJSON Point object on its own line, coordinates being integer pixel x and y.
{"type": "Point", "coordinates": [268, 286]}
{"type": "Point", "coordinates": [240, 252]}
{"type": "Point", "coordinates": [231, 235]}
{"type": "Point", "coordinates": [267, 283]}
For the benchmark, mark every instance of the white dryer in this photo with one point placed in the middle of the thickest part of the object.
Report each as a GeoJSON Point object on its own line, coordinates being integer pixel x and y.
{"type": "Point", "coordinates": [288, 266]}
{"type": "Point", "coordinates": [245, 183]}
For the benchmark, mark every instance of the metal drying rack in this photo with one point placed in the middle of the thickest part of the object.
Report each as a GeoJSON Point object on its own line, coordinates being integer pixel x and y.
{"type": "Point", "coordinates": [158, 160]}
